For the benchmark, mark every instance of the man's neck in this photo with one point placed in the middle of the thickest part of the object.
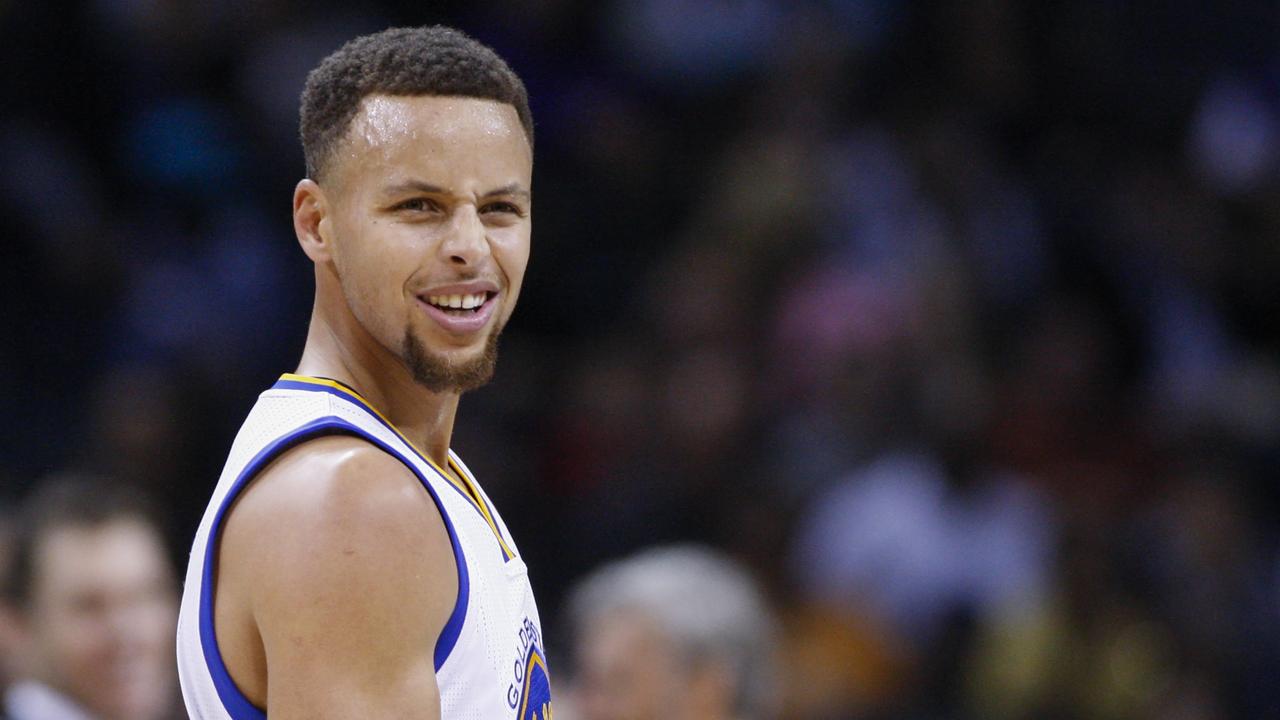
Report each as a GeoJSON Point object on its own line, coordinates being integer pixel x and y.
{"type": "Point", "coordinates": [348, 354]}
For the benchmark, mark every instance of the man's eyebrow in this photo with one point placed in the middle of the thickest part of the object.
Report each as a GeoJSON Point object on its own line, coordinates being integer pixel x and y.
{"type": "Point", "coordinates": [513, 189]}
{"type": "Point", "coordinates": [413, 186]}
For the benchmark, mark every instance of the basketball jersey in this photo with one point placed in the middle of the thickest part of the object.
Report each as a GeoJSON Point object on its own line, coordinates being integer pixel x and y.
{"type": "Point", "coordinates": [489, 658]}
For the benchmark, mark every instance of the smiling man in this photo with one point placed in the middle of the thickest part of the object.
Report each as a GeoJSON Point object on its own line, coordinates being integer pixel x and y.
{"type": "Point", "coordinates": [349, 565]}
{"type": "Point", "coordinates": [90, 591]}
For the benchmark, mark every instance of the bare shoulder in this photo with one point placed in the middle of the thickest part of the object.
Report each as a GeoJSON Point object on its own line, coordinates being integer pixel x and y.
{"type": "Point", "coordinates": [336, 552]}
{"type": "Point", "coordinates": [334, 484]}
{"type": "Point", "coordinates": [334, 506]}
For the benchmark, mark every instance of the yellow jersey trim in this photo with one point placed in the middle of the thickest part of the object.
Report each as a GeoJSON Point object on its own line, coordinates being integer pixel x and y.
{"type": "Point", "coordinates": [462, 481]}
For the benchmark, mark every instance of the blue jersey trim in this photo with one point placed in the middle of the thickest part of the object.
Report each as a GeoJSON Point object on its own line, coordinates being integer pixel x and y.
{"type": "Point", "coordinates": [236, 704]}
{"type": "Point", "coordinates": [283, 384]}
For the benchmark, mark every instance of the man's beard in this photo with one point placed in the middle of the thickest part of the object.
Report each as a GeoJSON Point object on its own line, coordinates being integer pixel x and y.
{"type": "Point", "coordinates": [441, 376]}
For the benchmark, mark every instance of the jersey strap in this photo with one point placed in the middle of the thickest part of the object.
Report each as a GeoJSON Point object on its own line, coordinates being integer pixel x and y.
{"type": "Point", "coordinates": [237, 705]}
{"type": "Point", "coordinates": [457, 479]}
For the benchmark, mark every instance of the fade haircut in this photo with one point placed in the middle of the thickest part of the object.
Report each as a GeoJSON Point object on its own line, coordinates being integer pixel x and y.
{"type": "Point", "coordinates": [400, 61]}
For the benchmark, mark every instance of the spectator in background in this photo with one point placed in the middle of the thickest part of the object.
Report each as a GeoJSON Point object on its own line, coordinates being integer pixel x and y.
{"type": "Point", "coordinates": [92, 592]}
{"type": "Point", "coordinates": [676, 632]}
{"type": "Point", "coordinates": [8, 624]}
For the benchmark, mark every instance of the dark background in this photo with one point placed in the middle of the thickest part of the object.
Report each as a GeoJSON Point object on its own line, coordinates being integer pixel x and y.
{"type": "Point", "coordinates": [956, 321]}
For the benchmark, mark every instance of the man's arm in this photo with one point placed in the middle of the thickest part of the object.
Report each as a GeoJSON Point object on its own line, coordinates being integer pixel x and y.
{"type": "Point", "coordinates": [342, 563]}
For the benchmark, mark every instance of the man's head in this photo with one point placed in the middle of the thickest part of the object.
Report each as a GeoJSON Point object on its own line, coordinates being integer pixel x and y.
{"type": "Point", "coordinates": [93, 594]}
{"type": "Point", "coordinates": [678, 632]}
{"type": "Point", "coordinates": [419, 147]}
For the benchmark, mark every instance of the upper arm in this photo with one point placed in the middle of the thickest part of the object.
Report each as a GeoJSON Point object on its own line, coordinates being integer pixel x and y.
{"type": "Point", "coordinates": [350, 577]}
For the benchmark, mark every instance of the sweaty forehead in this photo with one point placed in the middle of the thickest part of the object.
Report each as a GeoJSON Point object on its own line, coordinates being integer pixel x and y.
{"type": "Point", "coordinates": [384, 120]}
{"type": "Point", "coordinates": [394, 135]}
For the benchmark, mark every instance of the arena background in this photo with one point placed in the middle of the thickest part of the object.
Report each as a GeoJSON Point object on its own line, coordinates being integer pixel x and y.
{"type": "Point", "coordinates": [957, 321]}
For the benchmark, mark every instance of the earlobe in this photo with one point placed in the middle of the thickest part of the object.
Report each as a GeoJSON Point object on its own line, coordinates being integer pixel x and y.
{"type": "Point", "coordinates": [311, 222]}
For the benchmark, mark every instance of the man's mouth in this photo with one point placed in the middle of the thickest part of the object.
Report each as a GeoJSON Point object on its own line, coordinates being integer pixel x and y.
{"type": "Point", "coordinates": [465, 304]}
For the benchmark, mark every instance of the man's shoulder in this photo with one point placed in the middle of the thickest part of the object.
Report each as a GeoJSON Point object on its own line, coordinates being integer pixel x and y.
{"type": "Point", "coordinates": [329, 495]}
{"type": "Point", "coordinates": [327, 478]}
{"type": "Point", "coordinates": [333, 560]}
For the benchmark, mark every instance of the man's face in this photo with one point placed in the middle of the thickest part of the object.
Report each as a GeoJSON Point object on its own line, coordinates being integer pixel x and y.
{"type": "Point", "coordinates": [629, 670]}
{"type": "Point", "coordinates": [429, 226]}
{"type": "Point", "coordinates": [102, 618]}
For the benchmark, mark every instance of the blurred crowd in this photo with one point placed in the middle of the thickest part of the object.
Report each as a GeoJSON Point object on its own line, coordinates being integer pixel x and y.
{"type": "Point", "coordinates": [956, 323]}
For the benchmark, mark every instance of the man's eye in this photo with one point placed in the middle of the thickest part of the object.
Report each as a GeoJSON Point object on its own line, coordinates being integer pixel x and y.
{"type": "Point", "coordinates": [418, 205]}
{"type": "Point", "coordinates": [504, 207]}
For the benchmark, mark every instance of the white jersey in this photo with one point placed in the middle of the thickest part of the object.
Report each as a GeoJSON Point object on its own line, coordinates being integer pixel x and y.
{"type": "Point", "coordinates": [489, 658]}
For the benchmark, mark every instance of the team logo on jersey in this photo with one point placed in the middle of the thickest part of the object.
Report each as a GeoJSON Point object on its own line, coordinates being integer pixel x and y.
{"type": "Point", "coordinates": [529, 694]}
{"type": "Point", "coordinates": [535, 700]}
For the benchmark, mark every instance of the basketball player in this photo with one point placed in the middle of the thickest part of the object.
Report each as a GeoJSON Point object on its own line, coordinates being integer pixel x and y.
{"type": "Point", "coordinates": [349, 565]}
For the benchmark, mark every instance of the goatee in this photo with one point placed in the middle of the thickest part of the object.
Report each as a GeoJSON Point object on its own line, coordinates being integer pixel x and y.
{"type": "Point", "coordinates": [438, 375]}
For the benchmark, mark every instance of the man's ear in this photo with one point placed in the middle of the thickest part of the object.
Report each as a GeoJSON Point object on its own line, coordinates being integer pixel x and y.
{"type": "Point", "coordinates": [312, 221]}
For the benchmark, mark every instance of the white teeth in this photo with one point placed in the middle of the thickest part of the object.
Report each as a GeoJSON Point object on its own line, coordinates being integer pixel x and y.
{"type": "Point", "coordinates": [458, 302]}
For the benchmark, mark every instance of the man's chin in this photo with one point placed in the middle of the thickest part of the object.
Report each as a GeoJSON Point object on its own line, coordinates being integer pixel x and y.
{"type": "Point", "coordinates": [456, 372]}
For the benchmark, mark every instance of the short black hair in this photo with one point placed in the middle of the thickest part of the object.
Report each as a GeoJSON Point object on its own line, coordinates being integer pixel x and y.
{"type": "Point", "coordinates": [60, 502]}
{"type": "Point", "coordinates": [434, 60]}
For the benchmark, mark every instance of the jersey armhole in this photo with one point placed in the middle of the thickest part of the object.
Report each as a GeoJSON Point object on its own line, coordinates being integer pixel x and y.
{"type": "Point", "coordinates": [233, 700]}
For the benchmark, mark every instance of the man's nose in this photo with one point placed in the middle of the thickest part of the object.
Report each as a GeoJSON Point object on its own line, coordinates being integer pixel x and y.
{"type": "Point", "coordinates": [465, 243]}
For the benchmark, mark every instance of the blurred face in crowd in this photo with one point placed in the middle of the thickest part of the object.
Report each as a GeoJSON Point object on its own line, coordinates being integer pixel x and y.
{"type": "Point", "coordinates": [8, 621]}
{"type": "Point", "coordinates": [100, 623]}
{"type": "Point", "coordinates": [628, 669]}
{"type": "Point", "coordinates": [426, 234]}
